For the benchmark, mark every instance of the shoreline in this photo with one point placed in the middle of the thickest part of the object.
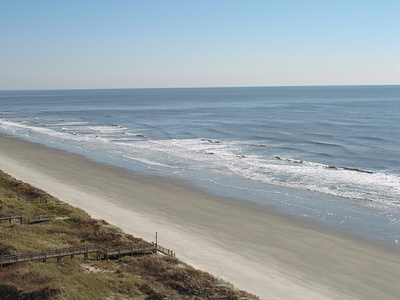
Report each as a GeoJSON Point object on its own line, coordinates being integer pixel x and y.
{"type": "Point", "coordinates": [270, 255]}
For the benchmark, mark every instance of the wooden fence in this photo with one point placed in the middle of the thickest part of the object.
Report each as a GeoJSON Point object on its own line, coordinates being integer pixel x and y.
{"type": "Point", "coordinates": [107, 253]}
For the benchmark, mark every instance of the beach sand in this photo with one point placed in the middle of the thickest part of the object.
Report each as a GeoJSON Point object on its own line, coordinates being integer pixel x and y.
{"type": "Point", "coordinates": [270, 255]}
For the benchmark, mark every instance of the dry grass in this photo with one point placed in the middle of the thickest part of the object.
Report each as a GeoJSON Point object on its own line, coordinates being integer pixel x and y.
{"type": "Point", "coordinates": [147, 277]}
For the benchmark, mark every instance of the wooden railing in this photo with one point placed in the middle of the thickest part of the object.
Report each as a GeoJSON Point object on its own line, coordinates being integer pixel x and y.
{"type": "Point", "coordinates": [32, 220]}
{"type": "Point", "coordinates": [10, 218]}
{"type": "Point", "coordinates": [39, 219]}
{"type": "Point", "coordinates": [107, 253]}
{"type": "Point", "coordinates": [165, 251]}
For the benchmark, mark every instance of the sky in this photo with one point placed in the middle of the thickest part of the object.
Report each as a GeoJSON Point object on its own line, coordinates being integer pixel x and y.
{"type": "Point", "coordinates": [68, 44]}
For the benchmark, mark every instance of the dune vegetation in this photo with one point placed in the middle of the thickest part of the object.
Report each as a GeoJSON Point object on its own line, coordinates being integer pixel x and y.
{"type": "Point", "coordinates": [128, 277]}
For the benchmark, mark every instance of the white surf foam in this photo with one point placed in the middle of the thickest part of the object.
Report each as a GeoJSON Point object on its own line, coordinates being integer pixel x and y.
{"type": "Point", "coordinates": [229, 158]}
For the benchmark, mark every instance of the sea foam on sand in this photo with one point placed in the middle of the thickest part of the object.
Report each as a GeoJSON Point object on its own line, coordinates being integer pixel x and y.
{"type": "Point", "coordinates": [270, 255]}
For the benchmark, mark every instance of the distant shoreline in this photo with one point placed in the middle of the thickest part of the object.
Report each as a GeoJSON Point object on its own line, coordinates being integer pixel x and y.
{"type": "Point", "coordinates": [267, 254]}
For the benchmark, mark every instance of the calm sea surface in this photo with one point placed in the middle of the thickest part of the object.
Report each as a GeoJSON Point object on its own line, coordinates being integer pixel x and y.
{"type": "Point", "coordinates": [327, 154]}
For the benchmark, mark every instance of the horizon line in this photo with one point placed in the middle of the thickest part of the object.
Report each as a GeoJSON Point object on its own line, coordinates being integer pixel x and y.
{"type": "Point", "coordinates": [194, 87]}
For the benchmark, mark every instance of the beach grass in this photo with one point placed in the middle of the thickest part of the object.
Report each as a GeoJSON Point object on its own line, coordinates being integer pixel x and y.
{"type": "Point", "coordinates": [145, 277]}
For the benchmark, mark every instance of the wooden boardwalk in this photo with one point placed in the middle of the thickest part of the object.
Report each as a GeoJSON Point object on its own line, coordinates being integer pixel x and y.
{"type": "Point", "coordinates": [33, 220]}
{"type": "Point", "coordinates": [101, 253]}
{"type": "Point", "coordinates": [39, 219]}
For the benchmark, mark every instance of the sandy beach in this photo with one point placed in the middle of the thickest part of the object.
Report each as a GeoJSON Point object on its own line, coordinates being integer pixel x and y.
{"type": "Point", "coordinates": [270, 255]}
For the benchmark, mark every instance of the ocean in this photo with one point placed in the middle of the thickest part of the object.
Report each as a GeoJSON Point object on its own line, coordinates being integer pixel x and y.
{"type": "Point", "coordinates": [329, 155]}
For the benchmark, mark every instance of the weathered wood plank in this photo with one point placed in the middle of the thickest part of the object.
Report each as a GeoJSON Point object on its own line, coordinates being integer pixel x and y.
{"type": "Point", "coordinates": [85, 250]}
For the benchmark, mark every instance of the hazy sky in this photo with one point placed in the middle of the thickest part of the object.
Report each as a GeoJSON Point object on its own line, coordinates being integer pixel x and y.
{"type": "Point", "coordinates": [110, 44]}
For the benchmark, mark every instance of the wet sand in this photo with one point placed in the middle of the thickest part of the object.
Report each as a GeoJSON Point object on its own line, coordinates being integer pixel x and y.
{"type": "Point", "coordinates": [270, 255]}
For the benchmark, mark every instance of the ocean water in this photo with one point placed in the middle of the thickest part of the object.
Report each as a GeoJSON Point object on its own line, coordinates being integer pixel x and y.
{"type": "Point", "coordinates": [327, 154]}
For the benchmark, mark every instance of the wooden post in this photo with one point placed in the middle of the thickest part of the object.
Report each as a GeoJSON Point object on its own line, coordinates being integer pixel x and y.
{"type": "Point", "coordinates": [85, 256]}
{"type": "Point", "coordinates": [156, 243]}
